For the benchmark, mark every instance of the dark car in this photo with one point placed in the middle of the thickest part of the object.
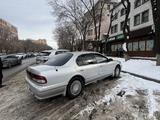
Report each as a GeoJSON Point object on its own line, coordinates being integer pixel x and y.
{"type": "Point", "coordinates": [11, 60]}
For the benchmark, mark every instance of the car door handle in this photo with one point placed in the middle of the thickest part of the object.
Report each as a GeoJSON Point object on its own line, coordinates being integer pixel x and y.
{"type": "Point", "coordinates": [81, 70]}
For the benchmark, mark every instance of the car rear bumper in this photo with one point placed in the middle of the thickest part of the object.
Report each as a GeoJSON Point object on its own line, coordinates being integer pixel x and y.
{"type": "Point", "coordinates": [41, 92]}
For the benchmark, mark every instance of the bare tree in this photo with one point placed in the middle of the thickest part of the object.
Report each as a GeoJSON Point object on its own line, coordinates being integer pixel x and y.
{"type": "Point", "coordinates": [72, 11]}
{"type": "Point", "coordinates": [29, 46]}
{"type": "Point", "coordinates": [156, 18]}
{"type": "Point", "coordinates": [95, 10]}
{"type": "Point", "coordinates": [65, 34]}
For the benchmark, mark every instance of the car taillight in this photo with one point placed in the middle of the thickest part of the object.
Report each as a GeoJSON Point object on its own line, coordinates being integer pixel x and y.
{"type": "Point", "coordinates": [39, 79]}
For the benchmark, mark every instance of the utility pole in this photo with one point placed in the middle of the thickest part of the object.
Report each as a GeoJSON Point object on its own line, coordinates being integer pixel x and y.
{"type": "Point", "coordinates": [156, 18]}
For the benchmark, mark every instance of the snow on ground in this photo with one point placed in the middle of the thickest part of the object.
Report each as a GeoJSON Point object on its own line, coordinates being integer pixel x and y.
{"type": "Point", "coordinates": [125, 98]}
{"type": "Point", "coordinates": [146, 68]}
{"type": "Point", "coordinates": [128, 86]}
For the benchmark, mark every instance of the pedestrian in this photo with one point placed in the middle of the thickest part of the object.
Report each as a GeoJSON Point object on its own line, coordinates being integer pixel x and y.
{"type": "Point", "coordinates": [1, 74]}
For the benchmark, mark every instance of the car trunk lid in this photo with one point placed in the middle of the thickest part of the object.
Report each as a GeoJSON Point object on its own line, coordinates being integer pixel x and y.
{"type": "Point", "coordinates": [34, 73]}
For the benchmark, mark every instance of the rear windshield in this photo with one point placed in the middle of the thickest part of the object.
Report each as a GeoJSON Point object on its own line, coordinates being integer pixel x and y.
{"type": "Point", "coordinates": [59, 60]}
{"type": "Point", "coordinates": [11, 57]}
{"type": "Point", "coordinates": [44, 54]}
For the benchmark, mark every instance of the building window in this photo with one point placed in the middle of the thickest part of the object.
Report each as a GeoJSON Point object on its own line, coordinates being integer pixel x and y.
{"type": "Point", "coordinates": [135, 46]}
{"type": "Point", "coordinates": [137, 20]}
{"type": "Point", "coordinates": [119, 46]}
{"type": "Point", "coordinates": [130, 46]}
{"type": "Point", "coordinates": [108, 7]}
{"type": "Point", "coordinates": [122, 26]}
{"type": "Point", "coordinates": [145, 16]}
{"type": "Point", "coordinates": [144, 1]}
{"type": "Point", "coordinates": [142, 45]}
{"type": "Point", "coordinates": [116, 47]}
{"type": "Point", "coordinates": [113, 47]}
{"type": "Point", "coordinates": [137, 3]}
{"type": "Point", "coordinates": [149, 45]}
{"type": "Point", "coordinates": [115, 16]}
{"type": "Point", "coordinates": [114, 29]}
{"type": "Point", "coordinates": [123, 11]}
{"type": "Point", "coordinates": [128, 22]}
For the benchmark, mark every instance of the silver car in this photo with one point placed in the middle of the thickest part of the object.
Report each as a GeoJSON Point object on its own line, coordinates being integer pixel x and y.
{"type": "Point", "coordinates": [11, 60]}
{"type": "Point", "coordinates": [68, 73]}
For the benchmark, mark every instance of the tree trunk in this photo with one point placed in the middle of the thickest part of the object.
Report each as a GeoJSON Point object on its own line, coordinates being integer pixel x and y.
{"type": "Point", "coordinates": [126, 56]}
{"type": "Point", "coordinates": [126, 29]}
{"type": "Point", "coordinates": [156, 18]}
{"type": "Point", "coordinates": [158, 60]}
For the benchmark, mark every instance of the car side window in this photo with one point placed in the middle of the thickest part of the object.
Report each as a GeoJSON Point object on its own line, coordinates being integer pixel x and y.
{"type": "Point", "coordinates": [86, 60]}
{"type": "Point", "coordinates": [100, 58]}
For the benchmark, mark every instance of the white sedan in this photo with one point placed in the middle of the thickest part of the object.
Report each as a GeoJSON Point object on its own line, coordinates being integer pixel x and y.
{"type": "Point", "coordinates": [68, 73]}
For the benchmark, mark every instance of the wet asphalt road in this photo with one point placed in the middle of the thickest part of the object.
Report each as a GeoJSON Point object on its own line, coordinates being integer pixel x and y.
{"type": "Point", "coordinates": [10, 72]}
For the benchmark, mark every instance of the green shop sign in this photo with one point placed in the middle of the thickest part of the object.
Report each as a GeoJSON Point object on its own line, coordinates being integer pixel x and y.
{"type": "Point", "coordinates": [119, 37]}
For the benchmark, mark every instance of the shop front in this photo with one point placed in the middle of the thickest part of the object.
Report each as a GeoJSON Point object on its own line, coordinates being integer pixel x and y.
{"type": "Point", "coordinates": [141, 43]}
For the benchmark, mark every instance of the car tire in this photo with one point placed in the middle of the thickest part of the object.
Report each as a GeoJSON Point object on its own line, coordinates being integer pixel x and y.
{"type": "Point", "coordinates": [9, 65]}
{"type": "Point", "coordinates": [117, 71]}
{"type": "Point", "coordinates": [75, 87]}
{"type": "Point", "coordinates": [20, 62]}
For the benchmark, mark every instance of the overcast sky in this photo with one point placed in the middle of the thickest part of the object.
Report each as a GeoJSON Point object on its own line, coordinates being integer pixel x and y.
{"type": "Point", "coordinates": [32, 18]}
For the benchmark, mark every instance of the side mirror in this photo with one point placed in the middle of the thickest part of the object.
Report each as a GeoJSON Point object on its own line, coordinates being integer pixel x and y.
{"type": "Point", "coordinates": [110, 59]}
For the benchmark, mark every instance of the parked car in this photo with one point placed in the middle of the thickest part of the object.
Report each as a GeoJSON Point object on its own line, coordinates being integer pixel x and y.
{"type": "Point", "coordinates": [68, 73]}
{"type": "Point", "coordinates": [11, 60]}
{"type": "Point", "coordinates": [2, 57]}
{"type": "Point", "coordinates": [21, 55]}
{"type": "Point", "coordinates": [2, 54]}
{"type": "Point", "coordinates": [47, 54]}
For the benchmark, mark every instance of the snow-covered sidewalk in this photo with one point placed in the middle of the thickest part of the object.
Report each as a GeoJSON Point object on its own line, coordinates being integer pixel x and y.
{"type": "Point", "coordinates": [145, 68]}
{"type": "Point", "coordinates": [132, 99]}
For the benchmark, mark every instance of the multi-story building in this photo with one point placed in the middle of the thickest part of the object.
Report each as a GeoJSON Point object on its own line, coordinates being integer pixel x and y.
{"type": "Point", "coordinates": [8, 31]}
{"type": "Point", "coordinates": [141, 41]}
{"type": "Point", "coordinates": [105, 22]}
{"type": "Point", "coordinates": [40, 41]}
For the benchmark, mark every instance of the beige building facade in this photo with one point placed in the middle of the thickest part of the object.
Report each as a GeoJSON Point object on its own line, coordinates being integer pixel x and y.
{"type": "Point", "coordinates": [40, 41]}
{"type": "Point", "coordinates": [92, 44]}
{"type": "Point", "coordinates": [8, 31]}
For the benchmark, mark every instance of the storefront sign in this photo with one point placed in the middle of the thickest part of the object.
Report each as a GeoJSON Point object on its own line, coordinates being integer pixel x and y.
{"type": "Point", "coordinates": [118, 37]}
{"type": "Point", "coordinates": [111, 39]}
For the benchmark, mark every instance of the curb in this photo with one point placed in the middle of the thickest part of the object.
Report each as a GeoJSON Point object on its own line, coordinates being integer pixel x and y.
{"type": "Point", "coordinates": [143, 58]}
{"type": "Point", "coordinates": [144, 77]}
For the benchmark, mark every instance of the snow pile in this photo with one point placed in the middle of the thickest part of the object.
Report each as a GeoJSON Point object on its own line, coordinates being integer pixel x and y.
{"type": "Point", "coordinates": [146, 68]}
{"type": "Point", "coordinates": [129, 84]}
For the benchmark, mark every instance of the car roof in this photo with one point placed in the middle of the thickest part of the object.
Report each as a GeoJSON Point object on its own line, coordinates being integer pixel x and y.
{"type": "Point", "coordinates": [55, 50]}
{"type": "Point", "coordinates": [62, 50]}
{"type": "Point", "coordinates": [83, 52]}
